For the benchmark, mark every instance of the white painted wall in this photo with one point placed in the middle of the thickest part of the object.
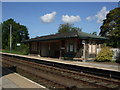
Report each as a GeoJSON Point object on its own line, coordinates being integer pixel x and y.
{"type": "Point", "coordinates": [92, 47]}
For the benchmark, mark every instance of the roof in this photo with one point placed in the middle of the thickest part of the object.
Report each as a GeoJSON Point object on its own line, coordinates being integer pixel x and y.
{"type": "Point", "coordinates": [80, 35]}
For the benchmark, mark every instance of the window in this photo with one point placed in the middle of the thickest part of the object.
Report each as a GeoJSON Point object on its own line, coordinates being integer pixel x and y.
{"type": "Point", "coordinates": [71, 48]}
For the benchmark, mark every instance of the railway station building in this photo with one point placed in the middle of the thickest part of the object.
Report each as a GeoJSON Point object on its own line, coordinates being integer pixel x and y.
{"type": "Point", "coordinates": [78, 45]}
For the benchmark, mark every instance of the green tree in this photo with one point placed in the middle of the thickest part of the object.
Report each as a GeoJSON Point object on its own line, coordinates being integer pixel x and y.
{"type": "Point", "coordinates": [19, 33]}
{"type": "Point", "coordinates": [94, 33]}
{"type": "Point", "coordinates": [111, 27]}
{"type": "Point", "coordinates": [67, 28]}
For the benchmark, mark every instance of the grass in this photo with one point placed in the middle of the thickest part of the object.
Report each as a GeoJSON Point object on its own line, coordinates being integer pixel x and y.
{"type": "Point", "coordinates": [22, 50]}
{"type": "Point", "coordinates": [13, 51]}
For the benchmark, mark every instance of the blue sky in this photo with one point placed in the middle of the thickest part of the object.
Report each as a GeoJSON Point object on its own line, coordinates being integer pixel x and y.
{"type": "Point", "coordinates": [43, 18]}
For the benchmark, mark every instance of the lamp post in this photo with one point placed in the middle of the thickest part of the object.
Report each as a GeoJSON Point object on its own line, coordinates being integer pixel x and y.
{"type": "Point", "coordinates": [10, 37]}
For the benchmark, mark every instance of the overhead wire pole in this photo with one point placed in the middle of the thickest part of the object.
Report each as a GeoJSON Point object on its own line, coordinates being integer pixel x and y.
{"type": "Point", "coordinates": [10, 37]}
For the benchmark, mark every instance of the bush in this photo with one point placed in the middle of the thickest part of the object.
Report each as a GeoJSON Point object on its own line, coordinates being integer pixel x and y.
{"type": "Point", "coordinates": [104, 55]}
{"type": "Point", "coordinates": [23, 49]}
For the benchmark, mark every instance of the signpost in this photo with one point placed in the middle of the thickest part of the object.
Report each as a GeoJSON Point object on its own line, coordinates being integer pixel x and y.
{"type": "Point", "coordinates": [10, 37]}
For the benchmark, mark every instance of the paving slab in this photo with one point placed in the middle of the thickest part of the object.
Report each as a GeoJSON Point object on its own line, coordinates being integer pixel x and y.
{"type": "Point", "coordinates": [16, 81]}
{"type": "Point", "coordinates": [13, 80]}
{"type": "Point", "coordinates": [7, 83]}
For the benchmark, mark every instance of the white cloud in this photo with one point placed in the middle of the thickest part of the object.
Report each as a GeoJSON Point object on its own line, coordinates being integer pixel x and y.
{"type": "Point", "coordinates": [100, 16]}
{"type": "Point", "coordinates": [47, 18]}
{"type": "Point", "coordinates": [70, 19]}
{"type": "Point", "coordinates": [90, 18]}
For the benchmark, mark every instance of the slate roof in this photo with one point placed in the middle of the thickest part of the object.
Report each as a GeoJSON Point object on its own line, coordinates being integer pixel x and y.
{"type": "Point", "coordinates": [80, 35]}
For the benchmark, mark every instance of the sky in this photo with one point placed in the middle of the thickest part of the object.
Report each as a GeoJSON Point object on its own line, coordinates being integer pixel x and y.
{"type": "Point", "coordinates": [44, 18]}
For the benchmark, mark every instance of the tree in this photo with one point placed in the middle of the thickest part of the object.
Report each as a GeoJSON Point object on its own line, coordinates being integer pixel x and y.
{"type": "Point", "coordinates": [19, 33]}
{"type": "Point", "coordinates": [94, 33]}
{"type": "Point", "coordinates": [67, 28]}
{"type": "Point", "coordinates": [111, 27]}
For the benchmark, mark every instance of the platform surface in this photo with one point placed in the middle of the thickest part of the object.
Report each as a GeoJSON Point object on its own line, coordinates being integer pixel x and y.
{"type": "Point", "coordinates": [13, 80]}
{"type": "Point", "coordinates": [110, 67]}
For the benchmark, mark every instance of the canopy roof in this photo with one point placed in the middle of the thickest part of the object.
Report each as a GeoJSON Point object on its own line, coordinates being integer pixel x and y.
{"type": "Point", "coordinates": [80, 35]}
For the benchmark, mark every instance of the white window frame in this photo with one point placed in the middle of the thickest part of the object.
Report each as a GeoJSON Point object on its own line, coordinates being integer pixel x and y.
{"type": "Point", "coordinates": [71, 49]}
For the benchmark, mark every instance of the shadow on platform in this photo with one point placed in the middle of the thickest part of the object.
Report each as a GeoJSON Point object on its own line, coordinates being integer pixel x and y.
{"type": "Point", "coordinates": [7, 70]}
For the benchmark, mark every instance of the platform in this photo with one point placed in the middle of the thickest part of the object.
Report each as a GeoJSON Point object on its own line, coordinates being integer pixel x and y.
{"type": "Point", "coordinates": [77, 63]}
{"type": "Point", "coordinates": [13, 80]}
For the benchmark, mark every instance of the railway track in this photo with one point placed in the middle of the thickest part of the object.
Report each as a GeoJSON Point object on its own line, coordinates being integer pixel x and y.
{"type": "Point", "coordinates": [42, 81]}
{"type": "Point", "coordinates": [62, 76]}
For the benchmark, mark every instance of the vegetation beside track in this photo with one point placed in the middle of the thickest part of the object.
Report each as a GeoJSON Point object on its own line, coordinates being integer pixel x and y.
{"type": "Point", "coordinates": [22, 50]}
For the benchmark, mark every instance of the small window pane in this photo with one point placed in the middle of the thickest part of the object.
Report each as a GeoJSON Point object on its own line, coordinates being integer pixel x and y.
{"type": "Point", "coordinates": [71, 47]}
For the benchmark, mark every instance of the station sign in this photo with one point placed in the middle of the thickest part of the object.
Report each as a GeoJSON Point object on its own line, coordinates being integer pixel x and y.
{"type": "Point", "coordinates": [18, 44]}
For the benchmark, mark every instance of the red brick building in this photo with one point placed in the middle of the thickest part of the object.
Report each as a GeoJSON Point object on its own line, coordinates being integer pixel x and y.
{"type": "Point", "coordinates": [78, 45]}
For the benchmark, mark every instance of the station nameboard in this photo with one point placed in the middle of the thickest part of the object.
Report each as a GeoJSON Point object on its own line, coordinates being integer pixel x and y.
{"type": "Point", "coordinates": [18, 44]}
